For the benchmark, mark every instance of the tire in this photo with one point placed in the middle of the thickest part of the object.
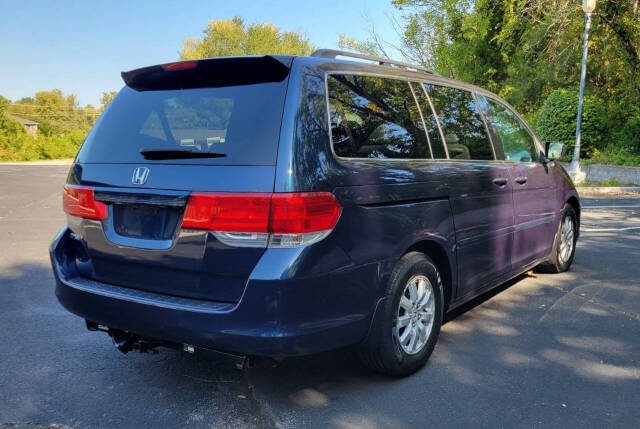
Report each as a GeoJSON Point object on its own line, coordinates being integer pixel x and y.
{"type": "Point", "coordinates": [387, 349]}
{"type": "Point", "coordinates": [561, 258]}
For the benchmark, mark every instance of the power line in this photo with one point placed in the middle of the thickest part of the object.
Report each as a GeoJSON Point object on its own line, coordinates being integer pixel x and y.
{"type": "Point", "coordinates": [63, 116]}
{"type": "Point", "coordinates": [53, 113]}
{"type": "Point", "coordinates": [77, 106]}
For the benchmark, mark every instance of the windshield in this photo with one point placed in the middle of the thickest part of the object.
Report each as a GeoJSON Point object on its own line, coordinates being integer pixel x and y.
{"type": "Point", "coordinates": [237, 125]}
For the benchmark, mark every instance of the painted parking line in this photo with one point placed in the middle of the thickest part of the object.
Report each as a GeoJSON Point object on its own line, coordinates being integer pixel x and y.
{"type": "Point", "coordinates": [628, 228]}
{"type": "Point", "coordinates": [611, 207]}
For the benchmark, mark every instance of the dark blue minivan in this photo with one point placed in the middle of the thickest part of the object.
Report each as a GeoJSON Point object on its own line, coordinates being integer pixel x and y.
{"type": "Point", "coordinates": [280, 206]}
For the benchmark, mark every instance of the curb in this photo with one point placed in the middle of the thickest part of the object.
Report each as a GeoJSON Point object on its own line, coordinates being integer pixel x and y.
{"type": "Point", "coordinates": [608, 190]}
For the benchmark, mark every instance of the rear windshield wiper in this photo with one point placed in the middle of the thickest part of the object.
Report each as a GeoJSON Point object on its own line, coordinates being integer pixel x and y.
{"type": "Point", "coordinates": [159, 154]}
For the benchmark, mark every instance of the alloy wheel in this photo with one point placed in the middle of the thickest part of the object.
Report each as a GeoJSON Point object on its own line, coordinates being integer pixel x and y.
{"type": "Point", "coordinates": [414, 320]}
{"type": "Point", "coordinates": [566, 240]}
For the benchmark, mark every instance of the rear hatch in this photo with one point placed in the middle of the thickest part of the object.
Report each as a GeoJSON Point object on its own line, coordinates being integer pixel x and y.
{"type": "Point", "coordinates": [175, 129]}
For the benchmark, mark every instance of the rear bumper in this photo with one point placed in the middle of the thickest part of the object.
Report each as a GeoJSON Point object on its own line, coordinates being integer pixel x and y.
{"type": "Point", "coordinates": [276, 316]}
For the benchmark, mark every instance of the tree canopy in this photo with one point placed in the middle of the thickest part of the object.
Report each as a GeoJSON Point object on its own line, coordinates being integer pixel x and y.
{"type": "Point", "coordinates": [234, 37]}
{"type": "Point", "coordinates": [62, 126]}
{"type": "Point", "coordinates": [526, 49]}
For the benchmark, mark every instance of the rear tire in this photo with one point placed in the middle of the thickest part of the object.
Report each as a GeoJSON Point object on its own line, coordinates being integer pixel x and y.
{"type": "Point", "coordinates": [564, 243]}
{"type": "Point", "coordinates": [408, 319]}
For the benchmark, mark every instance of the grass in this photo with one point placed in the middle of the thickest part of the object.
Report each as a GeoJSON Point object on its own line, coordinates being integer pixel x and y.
{"type": "Point", "coordinates": [614, 156]}
{"type": "Point", "coordinates": [610, 182]}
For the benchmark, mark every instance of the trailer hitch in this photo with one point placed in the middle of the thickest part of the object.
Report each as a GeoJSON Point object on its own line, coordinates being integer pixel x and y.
{"type": "Point", "coordinates": [126, 342]}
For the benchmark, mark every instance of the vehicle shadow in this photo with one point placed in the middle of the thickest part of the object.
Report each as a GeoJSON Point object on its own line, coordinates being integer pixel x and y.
{"type": "Point", "coordinates": [542, 348]}
{"type": "Point", "coordinates": [550, 349]}
{"type": "Point", "coordinates": [54, 371]}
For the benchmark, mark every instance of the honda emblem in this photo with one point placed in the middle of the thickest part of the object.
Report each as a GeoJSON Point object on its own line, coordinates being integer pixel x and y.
{"type": "Point", "coordinates": [140, 175]}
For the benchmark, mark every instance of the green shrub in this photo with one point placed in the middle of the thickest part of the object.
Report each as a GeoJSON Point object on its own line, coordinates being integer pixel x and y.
{"type": "Point", "coordinates": [556, 121]}
{"type": "Point", "coordinates": [616, 155]}
{"type": "Point", "coordinates": [24, 147]}
{"type": "Point", "coordinates": [631, 133]}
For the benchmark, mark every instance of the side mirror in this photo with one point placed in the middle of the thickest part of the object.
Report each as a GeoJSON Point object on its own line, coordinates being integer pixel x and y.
{"type": "Point", "coordinates": [554, 150]}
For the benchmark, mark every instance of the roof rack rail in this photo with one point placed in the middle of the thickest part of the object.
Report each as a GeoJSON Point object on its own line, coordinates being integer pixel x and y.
{"type": "Point", "coordinates": [333, 53]}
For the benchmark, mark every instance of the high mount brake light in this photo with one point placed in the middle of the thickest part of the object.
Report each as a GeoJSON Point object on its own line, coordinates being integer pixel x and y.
{"type": "Point", "coordinates": [261, 219]}
{"type": "Point", "coordinates": [180, 65]}
{"type": "Point", "coordinates": [79, 201]}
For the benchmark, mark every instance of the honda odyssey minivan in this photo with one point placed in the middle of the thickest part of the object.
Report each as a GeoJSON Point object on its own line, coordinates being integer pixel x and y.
{"type": "Point", "coordinates": [281, 206]}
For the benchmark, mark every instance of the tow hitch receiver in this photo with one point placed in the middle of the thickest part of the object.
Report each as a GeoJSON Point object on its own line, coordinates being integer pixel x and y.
{"type": "Point", "coordinates": [126, 341]}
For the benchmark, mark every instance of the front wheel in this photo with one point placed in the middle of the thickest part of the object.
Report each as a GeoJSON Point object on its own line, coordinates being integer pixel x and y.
{"type": "Point", "coordinates": [407, 328]}
{"type": "Point", "coordinates": [564, 244]}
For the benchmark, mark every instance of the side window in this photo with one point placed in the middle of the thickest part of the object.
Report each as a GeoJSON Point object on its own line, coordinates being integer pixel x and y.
{"type": "Point", "coordinates": [518, 143]}
{"type": "Point", "coordinates": [374, 117]}
{"type": "Point", "coordinates": [435, 140]}
{"type": "Point", "coordinates": [463, 128]}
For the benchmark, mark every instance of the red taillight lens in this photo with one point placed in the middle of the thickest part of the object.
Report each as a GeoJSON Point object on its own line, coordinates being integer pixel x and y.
{"type": "Point", "coordinates": [79, 201]}
{"type": "Point", "coordinates": [287, 213]}
{"type": "Point", "coordinates": [228, 212]}
{"type": "Point", "coordinates": [300, 213]}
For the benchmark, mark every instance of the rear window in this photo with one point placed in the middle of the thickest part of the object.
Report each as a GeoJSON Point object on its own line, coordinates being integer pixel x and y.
{"type": "Point", "coordinates": [242, 122]}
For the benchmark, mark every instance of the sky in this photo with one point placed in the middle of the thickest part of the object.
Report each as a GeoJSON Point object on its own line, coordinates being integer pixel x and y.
{"type": "Point", "coordinates": [80, 47]}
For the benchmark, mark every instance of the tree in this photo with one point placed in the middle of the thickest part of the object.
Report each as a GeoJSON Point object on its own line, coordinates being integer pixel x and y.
{"type": "Point", "coordinates": [557, 117]}
{"type": "Point", "coordinates": [526, 49]}
{"type": "Point", "coordinates": [234, 37]}
{"type": "Point", "coordinates": [365, 47]}
{"type": "Point", "coordinates": [106, 98]}
{"type": "Point", "coordinates": [7, 126]}
{"type": "Point", "coordinates": [4, 103]}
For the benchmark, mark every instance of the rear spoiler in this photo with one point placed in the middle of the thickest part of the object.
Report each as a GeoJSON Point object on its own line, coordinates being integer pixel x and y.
{"type": "Point", "coordinates": [213, 72]}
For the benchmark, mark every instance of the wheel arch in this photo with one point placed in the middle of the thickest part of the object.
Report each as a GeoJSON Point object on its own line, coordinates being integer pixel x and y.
{"type": "Point", "coordinates": [444, 262]}
{"type": "Point", "coordinates": [435, 247]}
{"type": "Point", "coordinates": [574, 202]}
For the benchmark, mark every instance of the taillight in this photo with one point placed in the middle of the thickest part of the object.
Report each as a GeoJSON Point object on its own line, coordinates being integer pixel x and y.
{"type": "Point", "coordinates": [228, 212]}
{"type": "Point", "coordinates": [261, 219]}
{"type": "Point", "coordinates": [79, 201]}
{"type": "Point", "coordinates": [304, 212]}
{"type": "Point", "coordinates": [236, 219]}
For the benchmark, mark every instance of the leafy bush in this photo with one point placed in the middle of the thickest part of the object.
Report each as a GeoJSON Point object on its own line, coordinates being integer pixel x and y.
{"type": "Point", "coordinates": [556, 121]}
{"type": "Point", "coordinates": [24, 147]}
{"type": "Point", "coordinates": [631, 133]}
{"type": "Point", "coordinates": [614, 154]}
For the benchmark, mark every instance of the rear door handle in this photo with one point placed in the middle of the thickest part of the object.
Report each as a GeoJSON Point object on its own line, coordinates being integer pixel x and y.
{"type": "Point", "coordinates": [521, 180]}
{"type": "Point", "coordinates": [500, 181]}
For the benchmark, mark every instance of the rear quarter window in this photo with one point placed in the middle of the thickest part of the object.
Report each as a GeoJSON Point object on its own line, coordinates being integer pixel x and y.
{"type": "Point", "coordinates": [375, 117]}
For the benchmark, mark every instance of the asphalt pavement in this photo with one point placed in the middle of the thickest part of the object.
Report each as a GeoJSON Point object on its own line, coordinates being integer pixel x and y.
{"type": "Point", "coordinates": [545, 350]}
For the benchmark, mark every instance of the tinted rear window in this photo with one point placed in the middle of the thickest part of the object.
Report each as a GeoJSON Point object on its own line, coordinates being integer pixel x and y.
{"type": "Point", "coordinates": [373, 117]}
{"type": "Point", "coordinates": [462, 126]}
{"type": "Point", "coordinates": [242, 122]}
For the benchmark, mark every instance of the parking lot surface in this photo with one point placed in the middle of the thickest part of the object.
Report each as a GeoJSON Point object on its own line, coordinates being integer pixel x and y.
{"type": "Point", "coordinates": [548, 351]}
